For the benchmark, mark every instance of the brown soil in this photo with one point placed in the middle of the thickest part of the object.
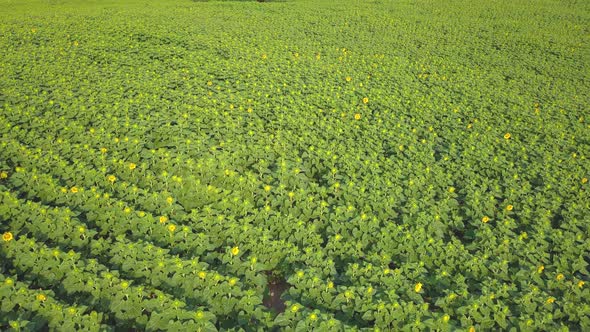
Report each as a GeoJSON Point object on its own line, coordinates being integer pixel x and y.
{"type": "Point", "coordinates": [276, 288]}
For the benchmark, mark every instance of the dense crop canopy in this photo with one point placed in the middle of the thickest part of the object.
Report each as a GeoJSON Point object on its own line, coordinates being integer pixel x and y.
{"type": "Point", "coordinates": [172, 165]}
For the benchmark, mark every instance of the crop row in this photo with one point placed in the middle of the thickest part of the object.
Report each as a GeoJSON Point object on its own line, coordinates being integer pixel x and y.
{"type": "Point", "coordinates": [91, 283]}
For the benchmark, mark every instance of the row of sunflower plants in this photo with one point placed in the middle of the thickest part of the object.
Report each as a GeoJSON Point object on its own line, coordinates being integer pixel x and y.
{"type": "Point", "coordinates": [89, 282]}
{"type": "Point", "coordinates": [27, 309]}
{"type": "Point", "coordinates": [152, 264]}
{"type": "Point", "coordinates": [143, 262]}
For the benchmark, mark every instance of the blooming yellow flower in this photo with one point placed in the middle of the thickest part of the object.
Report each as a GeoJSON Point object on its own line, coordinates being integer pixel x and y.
{"type": "Point", "coordinates": [132, 166]}
{"type": "Point", "coordinates": [357, 116]}
{"type": "Point", "coordinates": [163, 219]}
{"type": "Point", "coordinates": [550, 300]}
{"type": "Point", "coordinates": [235, 250]}
{"type": "Point", "coordinates": [418, 287]}
{"type": "Point", "coordinates": [169, 200]}
{"type": "Point", "coordinates": [509, 207]}
{"type": "Point", "coordinates": [171, 228]}
{"type": "Point", "coordinates": [365, 100]}
{"type": "Point", "coordinates": [330, 284]}
{"type": "Point", "coordinates": [202, 274]}
{"type": "Point", "coordinates": [485, 219]}
{"type": "Point", "coordinates": [584, 180]}
{"type": "Point", "coordinates": [313, 317]}
{"type": "Point", "coordinates": [348, 78]}
{"type": "Point", "coordinates": [41, 297]}
{"type": "Point", "coordinates": [9, 281]}
{"type": "Point", "coordinates": [74, 189]}
{"type": "Point", "coordinates": [294, 308]}
{"type": "Point", "coordinates": [507, 136]}
{"type": "Point", "coordinates": [233, 281]}
{"type": "Point", "coordinates": [249, 110]}
{"type": "Point", "coordinates": [560, 277]}
{"type": "Point", "coordinates": [3, 175]}
{"type": "Point", "coordinates": [451, 189]}
{"type": "Point", "coordinates": [209, 83]}
{"type": "Point", "coordinates": [103, 150]}
{"type": "Point", "coordinates": [472, 329]}
{"type": "Point", "coordinates": [581, 284]}
{"type": "Point", "coordinates": [267, 188]}
{"type": "Point", "coordinates": [7, 236]}
{"type": "Point", "coordinates": [111, 178]}
{"type": "Point", "coordinates": [540, 269]}
{"type": "Point", "coordinates": [446, 318]}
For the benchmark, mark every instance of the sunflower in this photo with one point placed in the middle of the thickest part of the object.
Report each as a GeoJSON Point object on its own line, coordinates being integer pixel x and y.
{"type": "Point", "coordinates": [7, 236]}
{"type": "Point", "coordinates": [418, 287]}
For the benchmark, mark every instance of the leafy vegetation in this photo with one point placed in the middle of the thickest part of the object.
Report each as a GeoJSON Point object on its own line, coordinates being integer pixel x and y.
{"type": "Point", "coordinates": [394, 165]}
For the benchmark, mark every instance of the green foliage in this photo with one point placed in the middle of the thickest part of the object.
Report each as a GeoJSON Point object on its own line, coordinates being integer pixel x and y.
{"type": "Point", "coordinates": [400, 165]}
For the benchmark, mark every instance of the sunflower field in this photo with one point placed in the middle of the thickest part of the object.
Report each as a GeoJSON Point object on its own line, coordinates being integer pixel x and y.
{"type": "Point", "coordinates": [301, 165]}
